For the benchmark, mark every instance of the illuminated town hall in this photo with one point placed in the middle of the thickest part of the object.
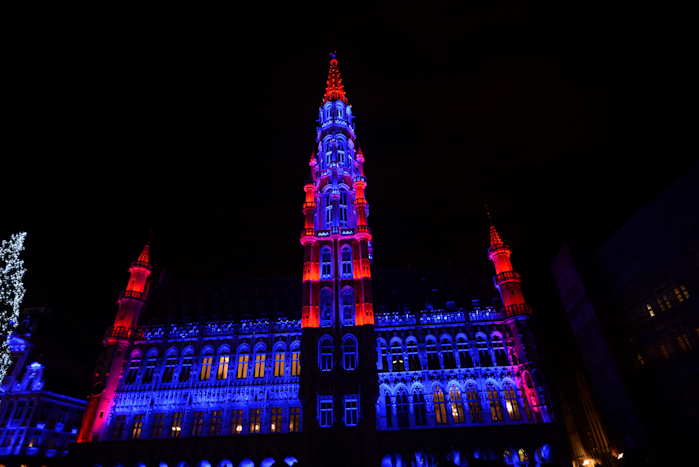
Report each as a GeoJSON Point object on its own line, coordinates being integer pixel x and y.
{"type": "Point", "coordinates": [336, 381]}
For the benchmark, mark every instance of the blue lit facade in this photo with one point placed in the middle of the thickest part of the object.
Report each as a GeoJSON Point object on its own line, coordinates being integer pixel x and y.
{"type": "Point", "coordinates": [342, 385]}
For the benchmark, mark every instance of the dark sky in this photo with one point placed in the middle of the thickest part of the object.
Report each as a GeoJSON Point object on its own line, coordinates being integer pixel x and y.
{"type": "Point", "coordinates": [198, 125]}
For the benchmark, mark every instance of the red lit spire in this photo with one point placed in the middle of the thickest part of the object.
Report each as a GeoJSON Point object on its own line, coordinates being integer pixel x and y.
{"type": "Point", "coordinates": [495, 239]}
{"type": "Point", "coordinates": [144, 257]}
{"type": "Point", "coordinates": [334, 89]}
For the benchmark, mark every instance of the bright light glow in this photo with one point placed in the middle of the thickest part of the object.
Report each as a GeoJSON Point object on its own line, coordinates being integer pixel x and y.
{"type": "Point", "coordinates": [11, 293]}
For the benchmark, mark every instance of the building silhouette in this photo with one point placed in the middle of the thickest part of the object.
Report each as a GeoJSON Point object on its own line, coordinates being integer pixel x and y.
{"type": "Point", "coordinates": [346, 384]}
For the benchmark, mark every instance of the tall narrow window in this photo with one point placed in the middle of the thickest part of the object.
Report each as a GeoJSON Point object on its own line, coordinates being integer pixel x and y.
{"type": "Point", "coordinates": [198, 424]}
{"type": "Point", "coordinates": [294, 419]}
{"type": "Point", "coordinates": [237, 421]}
{"type": "Point", "coordinates": [150, 368]}
{"type": "Point", "coordinates": [499, 351]}
{"type": "Point", "coordinates": [326, 353]}
{"type": "Point", "coordinates": [511, 403]}
{"type": "Point", "coordinates": [402, 409]}
{"type": "Point", "coordinates": [295, 363]}
{"type": "Point", "coordinates": [474, 405]}
{"type": "Point", "coordinates": [343, 200]}
{"type": "Point", "coordinates": [388, 404]}
{"type": "Point", "coordinates": [419, 408]}
{"type": "Point", "coordinates": [260, 365]}
{"type": "Point", "coordinates": [495, 404]}
{"type": "Point", "coordinates": [158, 425]}
{"type": "Point", "coordinates": [346, 262]}
{"type": "Point", "coordinates": [351, 410]}
{"type": "Point", "coordinates": [432, 357]}
{"type": "Point", "coordinates": [384, 357]}
{"type": "Point", "coordinates": [465, 360]}
{"type": "Point", "coordinates": [413, 357]}
{"type": "Point", "coordinates": [170, 365]}
{"type": "Point", "coordinates": [348, 306]}
{"type": "Point", "coordinates": [118, 426]}
{"type": "Point", "coordinates": [243, 362]}
{"type": "Point", "coordinates": [255, 415]}
{"type": "Point", "coordinates": [176, 426]}
{"type": "Point", "coordinates": [440, 407]}
{"type": "Point", "coordinates": [215, 423]}
{"type": "Point", "coordinates": [457, 405]}
{"type": "Point", "coordinates": [132, 372]}
{"type": "Point", "coordinates": [483, 352]}
{"type": "Point", "coordinates": [325, 410]}
{"type": "Point", "coordinates": [279, 363]}
{"type": "Point", "coordinates": [349, 352]}
{"type": "Point", "coordinates": [222, 370]}
{"type": "Point", "coordinates": [205, 372]}
{"type": "Point", "coordinates": [326, 262]}
{"type": "Point", "coordinates": [137, 427]}
{"type": "Point", "coordinates": [448, 355]}
{"type": "Point", "coordinates": [397, 361]}
{"type": "Point", "coordinates": [186, 369]}
{"type": "Point", "coordinates": [326, 306]}
{"type": "Point", "coordinates": [275, 424]}
{"type": "Point", "coordinates": [328, 215]}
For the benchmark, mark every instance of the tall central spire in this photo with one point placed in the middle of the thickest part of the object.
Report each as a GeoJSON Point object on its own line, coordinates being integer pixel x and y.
{"type": "Point", "coordinates": [334, 89]}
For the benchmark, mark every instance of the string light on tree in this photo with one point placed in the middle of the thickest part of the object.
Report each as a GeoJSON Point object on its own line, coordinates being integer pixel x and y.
{"type": "Point", "coordinates": [11, 293]}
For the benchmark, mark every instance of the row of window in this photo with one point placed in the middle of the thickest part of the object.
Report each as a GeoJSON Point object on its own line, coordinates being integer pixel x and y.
{"type": "Point", "coordinates": [326, 353]}
{"type": "Point", "coordinates": [326, 410]}
{"type": "Point", "coordinates": [434, 357]}
{"type": "Point", "coordinates": [346, 306]}
{"type": "Point", "coordinates": [398, 410]}
{"type": "Point", "coordinates": [666, 299]}
{"type": "Point", "coordinates": [327, 263]}
{"type": "Point", "coordinates": [201, 423]}
{"type": "Point", "coordinates": [681, 344]}
{"type": "Point", "coordinates": [182, 369]}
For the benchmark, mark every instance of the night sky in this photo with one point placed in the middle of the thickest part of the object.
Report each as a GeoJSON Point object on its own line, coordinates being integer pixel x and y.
{"type": "Point", "coordinates": [197, 127]}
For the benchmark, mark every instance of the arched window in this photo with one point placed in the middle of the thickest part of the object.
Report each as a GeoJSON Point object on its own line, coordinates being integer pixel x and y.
{"type": "Point", "coordinates": [511, 404]}
{"type": "Point", "coordinates": [170, 365]}
{"type": "Point", "coordinates": [187, 363]}
{"type": "Point", "coordinates": [465, 360]}
{"type": "Point", "coordinates": [474, 404]}
{"type": "Point", "coordinates": [326, 306]}
{"type": "Point", "coordinates": [402, 409]}
{"type": "Point", "coordinates": [326, 350]}
{"type": "Point", "coordinates": [326, 263]}
{"type": "Point", "coordinates": [279, 361]}
{"type": "Point", "coordinates": [207, 361]}
{"type": "Point", "coordinates": [243, 363]}
{"type": "Point", "coordinates": [432, 357]}
{"type": "Point", "coordinates": [397, 361]}
{"type": "Point", "coordinates": [419, 407]}
{"type": "Point", "coordinates": [522, 455]}
{"type": "Point", "coordinates": [457, 405]}
{"type": "Point", "coordinates": [224, 360]}
{"type": "Point", "coordinates": [483, 351]}
{"type": "Point", "coordinates": [151, 358]}
{"type": "Point", "coordinates": [348, 306]}
{"type": "Point", "coordinates": [295, 359]}
{"type": "Point", "coordinates": [494, 402]}
{"type": "Point", "coordinates": [134, 367]}
{"type": "Point", "coordinates": [260, 362]}
{"type": "Point", "coordinates": [346, 262]}
{"type": "Point", "coordinates": [349, 352]}
{"type": "Point", "coordinates": [440, 407]}
{"type": "Point", "coordinates": [499, 350]}
{"type": "Point", "coordinates": [413, 357]}
{"type": "Point", "coordinates": [448, 354]}
{"type": "Point", "coordinates": [384, 357]}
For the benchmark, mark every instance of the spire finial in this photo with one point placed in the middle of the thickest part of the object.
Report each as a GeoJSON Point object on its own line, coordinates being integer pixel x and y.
{"type": "Point", "coordinates": [144, 257]}
{"type": "Point", "coordinates": [495, 239]}
{"type": "Point", "coordinates": [334, 89]}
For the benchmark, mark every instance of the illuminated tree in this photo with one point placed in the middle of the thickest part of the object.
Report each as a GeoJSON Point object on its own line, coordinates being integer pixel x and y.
{"type": "Point", "coordinates": [11, 293]}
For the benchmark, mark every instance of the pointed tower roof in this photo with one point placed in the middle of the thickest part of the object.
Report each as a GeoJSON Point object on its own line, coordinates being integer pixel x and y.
{"type": "Point", "coordinates": [144, 257]}
{"type": "Point", "coordinates": [334, 89]}
{"type": "Point", "coordinates": [495, 239]}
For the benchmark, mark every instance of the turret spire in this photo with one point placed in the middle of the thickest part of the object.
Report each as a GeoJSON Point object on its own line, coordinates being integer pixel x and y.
{"type": "Point", "coordinates": [334, 89]}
